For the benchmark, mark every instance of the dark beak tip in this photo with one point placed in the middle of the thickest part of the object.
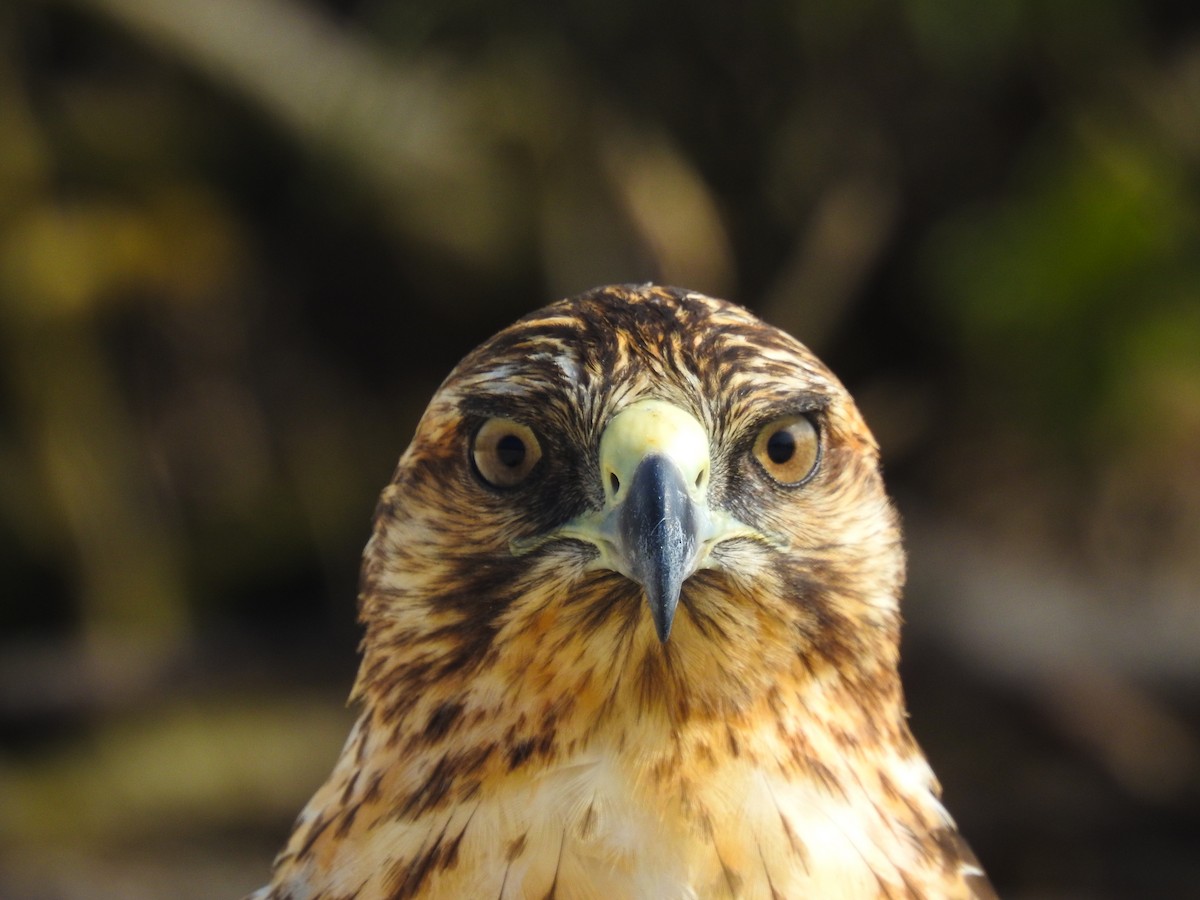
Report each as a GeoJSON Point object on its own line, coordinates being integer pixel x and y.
{"type": "Point", "coordinates": [663, 613]}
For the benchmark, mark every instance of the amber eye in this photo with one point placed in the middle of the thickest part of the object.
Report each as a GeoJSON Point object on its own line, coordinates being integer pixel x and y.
{"type": "Point", "coordinates": [789, 449]}
{"type": "Point", "coordinates": [504, 452]}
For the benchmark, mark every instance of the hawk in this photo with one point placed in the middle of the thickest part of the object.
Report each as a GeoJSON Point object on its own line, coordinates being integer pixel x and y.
{"type": "Point", "coordinates": [631, 631]}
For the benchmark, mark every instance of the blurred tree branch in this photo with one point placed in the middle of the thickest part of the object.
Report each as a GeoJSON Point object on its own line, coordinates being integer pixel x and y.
{"type": "Point", "coordinates": [408, 127]}
{"type": "Point", "coordinates": [439, 140]}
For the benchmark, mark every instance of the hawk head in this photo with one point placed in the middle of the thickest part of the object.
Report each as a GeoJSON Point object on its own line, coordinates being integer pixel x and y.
{"type": "Point", "coordinates": [638, 499]}
{"type": "Point", "coordinates": [631, 631]}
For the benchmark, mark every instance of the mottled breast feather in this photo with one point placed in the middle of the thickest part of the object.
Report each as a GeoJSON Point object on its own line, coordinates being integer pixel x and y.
{"type": "Point", "coordinates": [524, 732]}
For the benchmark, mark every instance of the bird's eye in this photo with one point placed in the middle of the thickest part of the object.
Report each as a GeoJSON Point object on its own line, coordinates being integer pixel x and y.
{"type": "Point", "coordinates": [789, 449]}
{"type": "Point", "coordinates": [504, 452]}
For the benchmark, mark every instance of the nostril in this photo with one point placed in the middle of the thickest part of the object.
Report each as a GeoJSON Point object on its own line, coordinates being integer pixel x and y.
{"type": "Point", "coordinates": [614, 482]}
{"type": "Point", "coordinates": [701, 477]}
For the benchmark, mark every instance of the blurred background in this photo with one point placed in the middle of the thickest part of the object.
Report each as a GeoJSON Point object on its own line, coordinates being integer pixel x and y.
{"type": "Point", "coordinates": [241, 242]}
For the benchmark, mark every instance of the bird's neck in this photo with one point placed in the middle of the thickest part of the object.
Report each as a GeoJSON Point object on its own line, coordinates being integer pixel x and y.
{"type": "Point", "coordinates": [785, 790]}
{"type": "Point", "coordinates": [815, 721]}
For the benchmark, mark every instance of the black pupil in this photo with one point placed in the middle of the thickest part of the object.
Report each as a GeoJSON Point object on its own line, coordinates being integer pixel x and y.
{"type": "Point", "coordinates": [510, 450]}
{"type": "Point", "coordinates": [781, 446]}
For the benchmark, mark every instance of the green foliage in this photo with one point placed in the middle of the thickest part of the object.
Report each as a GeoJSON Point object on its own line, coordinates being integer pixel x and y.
{"type": "Point", "coordinates": [1093, 248]}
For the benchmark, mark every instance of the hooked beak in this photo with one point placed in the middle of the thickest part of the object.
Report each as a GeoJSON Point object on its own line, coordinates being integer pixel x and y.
{"type": "Point", "coordinates": [656, 526]}
{"type": "Point", "coordinates": [658, 536]}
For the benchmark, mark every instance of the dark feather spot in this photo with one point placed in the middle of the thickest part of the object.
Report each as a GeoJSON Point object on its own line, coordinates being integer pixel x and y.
{"type": "Point", "coordinates": [315, 830]}
{"type": "Point", "coordinates": [451, 771]}
{"type": "Point", "coordinates": [440, 721]}
{"type": "Point", "coordinates": [519, 754]}
{"type": "Point", "coordinates": [515, 849]}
